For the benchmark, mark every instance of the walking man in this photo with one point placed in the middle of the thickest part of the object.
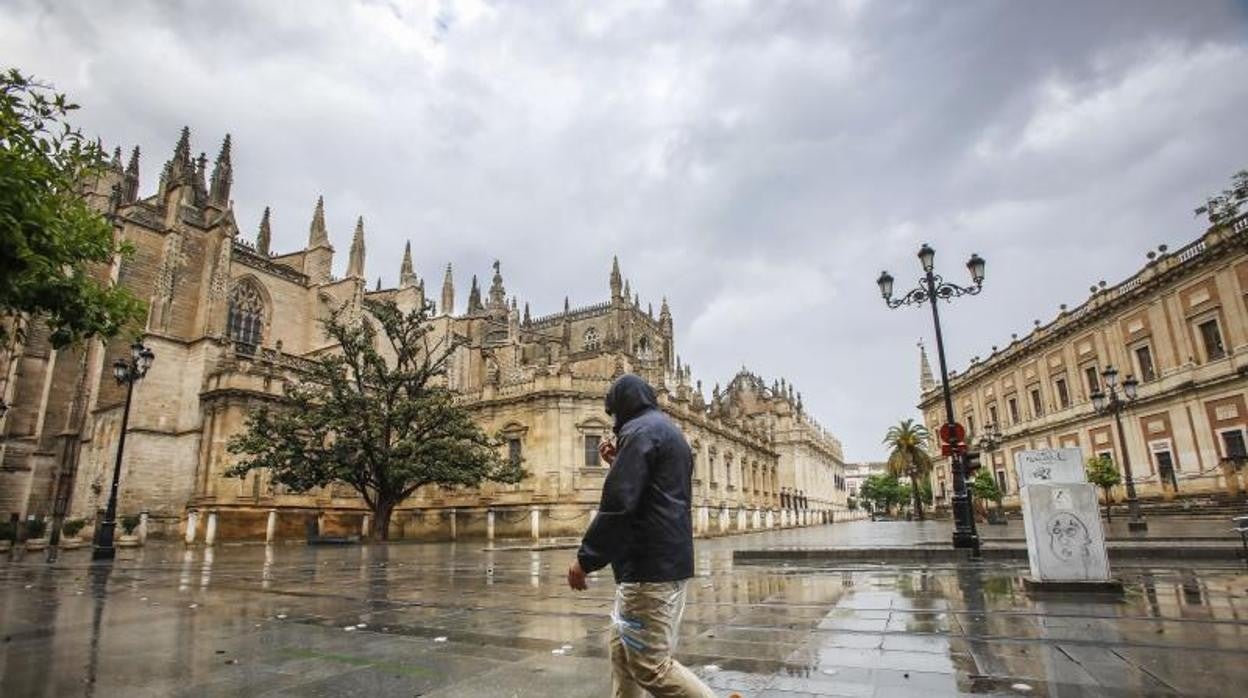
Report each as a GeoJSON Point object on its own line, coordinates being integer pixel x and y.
{"type": "Point", "coordinates": [644, 531]}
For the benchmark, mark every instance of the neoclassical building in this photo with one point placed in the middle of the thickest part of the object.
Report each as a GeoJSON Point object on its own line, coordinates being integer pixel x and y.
{"type": "Point", "coordinates": [232, 321]}
{"type": "Point", "coordinates": [1179, 325]}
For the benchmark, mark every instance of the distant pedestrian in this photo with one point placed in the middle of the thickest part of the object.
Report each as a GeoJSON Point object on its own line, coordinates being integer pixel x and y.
{"type": "Point", "coordinates": [644, 531]}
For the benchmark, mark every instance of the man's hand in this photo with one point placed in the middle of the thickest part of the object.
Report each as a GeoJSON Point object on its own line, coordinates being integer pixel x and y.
{"type": "Point", "coordinates": [607, 450]}
{"type": "Point", "coordinates": [576, 577]}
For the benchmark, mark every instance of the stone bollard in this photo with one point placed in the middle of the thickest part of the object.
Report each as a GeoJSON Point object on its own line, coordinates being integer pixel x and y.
{"type": "Point", "coordinates": [535, 523]}
{"type": "Point", "coordinates": [142, 528]}
{"type": "Point", "coordinates": [454, 530]}
{"type": "Point", "coordinates": [210, 532]}
{"type": "Point", "coordinates": [192, 522]}
{"type": "Point", "coordinates": [489, 525]}
{"type": "Point", "coordinates": [270, 528]}
{"type": "Point", "coordinates": [364, 526]}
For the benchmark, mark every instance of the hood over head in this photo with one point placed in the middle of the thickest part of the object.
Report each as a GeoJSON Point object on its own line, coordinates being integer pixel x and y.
{"type": "Point", "coordinates": [628, 397]}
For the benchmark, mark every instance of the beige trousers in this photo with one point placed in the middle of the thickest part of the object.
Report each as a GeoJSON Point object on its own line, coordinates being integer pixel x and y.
{"type": "Point", "coordinates": [645, 624]}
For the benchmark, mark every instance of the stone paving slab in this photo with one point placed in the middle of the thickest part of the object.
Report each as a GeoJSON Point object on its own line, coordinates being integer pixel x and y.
{"type": "Point", "coordinates": [453, 620]}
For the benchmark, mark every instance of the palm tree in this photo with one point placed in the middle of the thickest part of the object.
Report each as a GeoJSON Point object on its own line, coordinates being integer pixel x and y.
{"type": "Point", "coordinates": [909, 457]}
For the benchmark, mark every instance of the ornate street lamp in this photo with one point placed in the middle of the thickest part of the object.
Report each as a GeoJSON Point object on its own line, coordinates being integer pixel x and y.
{"type": "Point", "coordinates": [930, 289]}
{"type": "Point", "coordinates": [988, 443]}
{"type": "Point", "coordinates": [127, 372]}
{"type": "Point", "coordinates": [1112, 403]}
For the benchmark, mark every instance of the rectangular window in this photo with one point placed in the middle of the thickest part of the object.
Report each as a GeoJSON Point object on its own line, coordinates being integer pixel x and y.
{"type": "Point", "coordinates": [513, 451]}
{"type": "Point", "coordinates": [1013, 405]}
{"type": "Point", "coordinates": [992, 414]}
{"type": "Point", "coordinates": [1037, 405]}
{"type": "Point", "coordinates": [1001, 483]}
{"type": "Point", "coordinates": [1063, 393]}
{"type": "Point", "coordinates": [1211, 337]}
{"type": "Point", "coordinates": [1144, 362]}
{"type": "Point", "coordinates": [592, 459]}
{"type": "Point", "coordinates": [970, 425]}
{"type": "Point", "coordinates": [1165, 466]}
{"type": "Point", "coordinates": [1233, 444]}
{"type": "Point", "coordinates": [1094, 382]}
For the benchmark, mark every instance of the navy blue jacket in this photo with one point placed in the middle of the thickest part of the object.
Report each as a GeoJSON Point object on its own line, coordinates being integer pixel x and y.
{"type": "Point", "coordinates": [643, 528]}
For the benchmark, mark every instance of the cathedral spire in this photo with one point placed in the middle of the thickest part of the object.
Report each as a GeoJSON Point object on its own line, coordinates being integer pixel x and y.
{"type": "Point", "coordinates": [448, 293]}
{"type": "Point", "coordinates": [116, 161]}
{"type": "Point", "coordinates": [926, 381]}
{"type": "Point", "coordinates": [527, 319]}
{"type": "Point", "coordinates": [265, 237]}
{"type": "Point", "coordinates": [407, 277]}
{"type": "Point", "coordinates": [222, 176]}
{"type": "Point", "coordinates": [355, 263]}
{"type": "Point", "coordinates": [130, 186]}
{"type": "Point", "coordinates": [318, 236]}
{"type": "Point", "coordinates": [615, 278]}
{"type": "Point", "coordinates": [474, 297]}
{"type": "Point", "coordinates": [498, 294]}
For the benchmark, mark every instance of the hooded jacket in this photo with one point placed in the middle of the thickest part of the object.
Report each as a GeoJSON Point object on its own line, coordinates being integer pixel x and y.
{"type": "Point", "coordinates": [643, 528]}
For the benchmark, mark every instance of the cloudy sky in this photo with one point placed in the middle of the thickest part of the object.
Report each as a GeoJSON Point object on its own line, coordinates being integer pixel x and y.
{"type": "Point", "coordinates": [758, 163]}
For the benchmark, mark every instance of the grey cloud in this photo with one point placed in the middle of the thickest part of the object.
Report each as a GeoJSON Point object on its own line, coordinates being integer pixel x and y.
{"type": "Point", "coordinates": [757, 163]}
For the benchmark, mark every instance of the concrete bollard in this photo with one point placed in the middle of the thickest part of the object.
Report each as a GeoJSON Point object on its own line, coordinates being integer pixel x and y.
{"type": "Point", "coordinates": [270, 528]}
{"type": "Point", "coordinates": [142, 531]}
{"type": "Point", "coordinates": [364, 526]}
{"type": "Point", "coordinates": [210, 532]}
{"type": "Point", "coordinates": [192, 522]}
{"type": "Point", "coordinates": [535, 523]}
{"type": "Point", "coordinates": [454, 524]}
{"type": "Point", "coordinates": [489, 524]}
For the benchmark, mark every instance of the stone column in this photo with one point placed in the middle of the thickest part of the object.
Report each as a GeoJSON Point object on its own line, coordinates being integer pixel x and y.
{"type": "Point", "coordinates": [489, 525]}
{"type": "Point", "coordinates": [723, 519]}
{"type": "Point", "coordinates": [535, 523]}
{"type": "Point", "coordinates": [270, 529]}
{"type": "Point", "coordinates": [142, 527]}
{"type": "Point", "coordinates": [740, 519]}
{"type": "Point", "coordinates": [758, 519]}
{"type": "Point", "coordinates": [210, 532]}
{"type": "Point", "coordinates": [704, 517]}
{"type": "Point", "coordinates": [192, 522]}
{"type": "Point", "coordinates": [454, 529]}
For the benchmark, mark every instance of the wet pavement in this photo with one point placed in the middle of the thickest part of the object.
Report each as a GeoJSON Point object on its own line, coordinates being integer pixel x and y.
{"type": "Point", "coordinates": [454, 620]}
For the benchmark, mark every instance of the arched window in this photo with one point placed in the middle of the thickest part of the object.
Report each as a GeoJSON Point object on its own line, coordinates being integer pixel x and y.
{"type": "Point", "coordinates": [591, 338]}
{"type": "Point", "coordinates": [643, 348]}
{"type": "Point", "coordinates": [246, 315]}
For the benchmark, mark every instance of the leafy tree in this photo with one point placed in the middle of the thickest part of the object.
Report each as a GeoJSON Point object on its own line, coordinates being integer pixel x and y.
{"type": "Point", "coordinates": [882, 492]}
{"type": "Point", "coordinates": [984, 487]}
{"type": "Point", "coordinates": [1102, 473]}
{"type": "Point", "coordinates": [909, 458]}
{"type": "Point", "coordinates": [50, 238]}
{"type": "Point", "coordinates": [851, 504]}
{"type": "Point", "coordinates": [386, 429]}
{"type": "Point", "coordinates": [1223, 208]}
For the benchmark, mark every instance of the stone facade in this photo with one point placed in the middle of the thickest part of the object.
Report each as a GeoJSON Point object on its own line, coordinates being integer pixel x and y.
{"type": "Point", "coordinates": [1179, 325]}
{"type": "Point", "coordinates": [231, 323]}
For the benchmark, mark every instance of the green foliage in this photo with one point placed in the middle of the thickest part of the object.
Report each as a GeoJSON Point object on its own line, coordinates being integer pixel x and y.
{"type": "Point", "coordinates": [50, 239]}
{"type": "Point", "coordinates": [882, 492]}
{"type": "Point", "coordinates": [72, 526]}
{"type": "Point", "coordinates": [35, 528]}
{"type": "Point", "coordinates": [984, 487]}
{"type": "Point", "coordinates": [384, 428]}
{"type": "Point", "coordinates": [1223, 208]}
{"type": "Point", "coordinates": [1102, 473]}
{"type": "Point", "coordinates": [851, 504]}
{"type": "Point", "coordinates": [908, 457]}
{"type": "Point", "coordinates": [129, 523]}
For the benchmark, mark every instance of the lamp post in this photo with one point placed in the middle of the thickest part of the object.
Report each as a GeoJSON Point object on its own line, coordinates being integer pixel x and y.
{"type": "Point", "coordinates": [1112, 403]}
{"type": "Point", "coordinates": [932, 288]}
{"type": "Point", "coordinates": [127, 372]}
{"type": "Point", "coordinates": [988, 442]}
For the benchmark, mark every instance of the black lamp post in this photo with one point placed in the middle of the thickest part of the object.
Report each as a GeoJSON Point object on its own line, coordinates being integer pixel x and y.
{"type": "Point", "coordinates": [128, 372]}
{"type": "Point", "coordinates": [1112, 403]}
{"type": "Point", "coordinates": [988, 443]}
{"type": "Point", "coordinates": [932, 288]}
